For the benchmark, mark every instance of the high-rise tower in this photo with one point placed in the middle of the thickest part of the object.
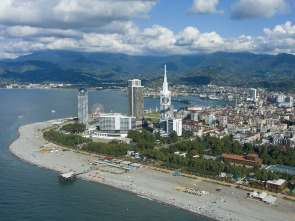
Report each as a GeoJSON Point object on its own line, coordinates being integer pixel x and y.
{"type": "Point", "coordinates": [167, 121]}
{"type": "Point", "coordinates": [135, 99]}
{"type": "Point", "coordinates": [165, 106]}
{"type": "Point", "coordinates": [83, 106]}
{"type": "Point", "coordinates": [253, 93]}
{"type": "Point", "coordinates": [165, 101]}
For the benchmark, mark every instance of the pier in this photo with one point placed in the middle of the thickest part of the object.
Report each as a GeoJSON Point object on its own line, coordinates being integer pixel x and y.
{"type": "Point", "coordinates": [67, 176]}
{"type": "Point", "coordinates": [71, 175]}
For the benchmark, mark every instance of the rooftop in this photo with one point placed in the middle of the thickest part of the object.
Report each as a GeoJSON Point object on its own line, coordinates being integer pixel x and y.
{"type": "Point", "coordinates": [277, 182]}
{"type": "Point", "coordinates": [238, 157]}
{"type": "Point", "coordinates": [253, 155]}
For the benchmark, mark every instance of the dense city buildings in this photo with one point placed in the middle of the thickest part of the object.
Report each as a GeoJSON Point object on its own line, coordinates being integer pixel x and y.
{"type": "Point", "coordinates": [135, 99]}
{"type": "Point", "coordinates": [83, 106]}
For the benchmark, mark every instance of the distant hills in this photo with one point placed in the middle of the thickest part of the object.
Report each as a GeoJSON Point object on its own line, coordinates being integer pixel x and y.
{"type": "Point", "coordinates": [235, 69]}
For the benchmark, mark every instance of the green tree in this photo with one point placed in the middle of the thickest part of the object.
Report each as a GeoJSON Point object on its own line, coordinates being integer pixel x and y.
{"type": "Point", "coordinates": [174, 136]}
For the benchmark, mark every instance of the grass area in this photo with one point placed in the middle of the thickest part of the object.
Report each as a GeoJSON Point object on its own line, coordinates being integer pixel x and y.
{"type": "Point", "coordinates": [153, 120]}
{"type": "Point", "coordinates": [152, 115]}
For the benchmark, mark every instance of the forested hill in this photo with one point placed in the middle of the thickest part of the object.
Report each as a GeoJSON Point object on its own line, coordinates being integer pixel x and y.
{"type": "Point", "coordinates": [236, 69]}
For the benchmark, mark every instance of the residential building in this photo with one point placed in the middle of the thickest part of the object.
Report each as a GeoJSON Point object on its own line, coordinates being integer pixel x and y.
{"type": "Point", "coordinates": [253, 93]}
{"type": "Point", "coordinates": [276, 184]}
{"type": "Point", "coordinates": [135, 99]}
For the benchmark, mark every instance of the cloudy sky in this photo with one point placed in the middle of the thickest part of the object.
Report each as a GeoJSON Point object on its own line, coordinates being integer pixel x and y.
{"type": "Point", "coordinates": [147, 27]}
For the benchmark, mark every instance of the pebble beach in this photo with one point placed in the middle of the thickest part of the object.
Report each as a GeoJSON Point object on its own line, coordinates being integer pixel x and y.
{"type": "Point", "coordinates": [146, 182]}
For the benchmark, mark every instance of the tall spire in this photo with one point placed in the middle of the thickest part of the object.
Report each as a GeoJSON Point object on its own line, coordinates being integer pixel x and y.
{"type": "Point", "coordinates": [165, 84]}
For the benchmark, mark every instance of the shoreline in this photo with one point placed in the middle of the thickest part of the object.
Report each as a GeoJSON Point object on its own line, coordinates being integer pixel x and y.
{"type": "Point", "coordinates": [230, 204]}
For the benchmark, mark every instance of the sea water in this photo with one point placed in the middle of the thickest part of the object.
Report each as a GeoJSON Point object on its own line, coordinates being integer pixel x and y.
{"type": "Point", "coordinates": [28, 192]}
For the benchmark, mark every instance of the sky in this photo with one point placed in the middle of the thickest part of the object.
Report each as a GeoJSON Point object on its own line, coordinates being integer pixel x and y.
{"type": "Point", "coordinates": [147, 27]}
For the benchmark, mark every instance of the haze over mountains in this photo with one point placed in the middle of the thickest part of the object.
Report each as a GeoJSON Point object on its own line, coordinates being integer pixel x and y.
{"type": "Point", "coordinates": [235, 69]}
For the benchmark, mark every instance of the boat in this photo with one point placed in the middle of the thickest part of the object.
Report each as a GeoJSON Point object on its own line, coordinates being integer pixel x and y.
{"type": "Point", "coordinates": [20, 116]}
{"type": "Point", "coordinates": [53, 111]}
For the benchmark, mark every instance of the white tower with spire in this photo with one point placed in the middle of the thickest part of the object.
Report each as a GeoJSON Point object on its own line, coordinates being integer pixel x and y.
{"type": "Point", "coordinates": [165, 101]}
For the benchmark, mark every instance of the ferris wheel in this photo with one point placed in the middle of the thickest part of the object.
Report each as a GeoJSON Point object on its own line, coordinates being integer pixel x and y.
{"type": "Point", "coordinates": [97, 109]}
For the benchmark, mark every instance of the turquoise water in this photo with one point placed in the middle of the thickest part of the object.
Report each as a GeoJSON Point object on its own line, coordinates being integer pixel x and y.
{"type": "Point", "coordinates": [28, 192]}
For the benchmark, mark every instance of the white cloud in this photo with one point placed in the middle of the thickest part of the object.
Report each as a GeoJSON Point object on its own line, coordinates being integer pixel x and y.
{"type": "Point", "coordinates": [195, 42]}
{"type": "Point", "coordinates": [281, 38]}
{"type": "Point", "coordinates": [156, 40]}
{"type": "Point", "coordinates": [259, 8]}
{"type": "Point", "coordinates": [30, 25]}
{"type": "Point", "coordinates": [204, 7]}
{"type": "Point", "coordinates": [112, 30]}
{"type": "Point", "coordinates": [65, 14]}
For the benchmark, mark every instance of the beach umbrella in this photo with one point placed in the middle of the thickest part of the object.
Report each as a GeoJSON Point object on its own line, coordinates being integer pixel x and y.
{"type": "Point", "coordinates": [75, 170]}
{"type": "Point", "coordinates": [89, 174]}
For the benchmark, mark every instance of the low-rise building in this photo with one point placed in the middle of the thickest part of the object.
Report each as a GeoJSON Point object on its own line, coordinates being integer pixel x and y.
{"type": "Point", "coordinates": [250, 159]}
{"type": "Point", "coordinates": [276, 184]}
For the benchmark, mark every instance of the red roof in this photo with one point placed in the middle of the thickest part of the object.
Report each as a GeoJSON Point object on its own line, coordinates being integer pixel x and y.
{"type": "Point", "coordinates": [238, 157]}
{"type": "Point", "coordinates": [232, 156]}
{"type": "Point", "coordinates": [253, 155]}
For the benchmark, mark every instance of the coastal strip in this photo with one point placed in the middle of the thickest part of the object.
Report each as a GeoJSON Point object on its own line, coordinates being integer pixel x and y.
{"type": "Point", "coordinates": [228, 204]}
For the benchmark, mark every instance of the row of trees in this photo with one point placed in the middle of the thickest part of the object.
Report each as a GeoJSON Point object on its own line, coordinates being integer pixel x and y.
{"type": "Point", "coordinates": [68, 140]}
{"type": "Point", "coordinates": [113, 148]}
{"type": "Point", "coordinates": [144, 139]}
{"type": "Point", "coordinates": [145, 142]}
{"type": "Point", "coordinates": [74, 128]}
{"type": "Point", "coordinates": [272, 154]}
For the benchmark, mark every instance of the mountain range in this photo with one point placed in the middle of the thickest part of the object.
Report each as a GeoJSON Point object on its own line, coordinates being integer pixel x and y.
{"type": "Point", "coordinates": [221, 68]}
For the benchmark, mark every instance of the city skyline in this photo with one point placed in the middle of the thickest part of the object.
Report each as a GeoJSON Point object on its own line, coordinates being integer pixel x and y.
{"type": "Point", "coordinates": [153, 27]}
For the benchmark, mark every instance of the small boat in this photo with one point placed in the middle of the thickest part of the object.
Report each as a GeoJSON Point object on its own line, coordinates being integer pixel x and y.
{"type": "Point", "coordinates": [20, 116]}
{"type": "Point", "coordinates": [53, 111]}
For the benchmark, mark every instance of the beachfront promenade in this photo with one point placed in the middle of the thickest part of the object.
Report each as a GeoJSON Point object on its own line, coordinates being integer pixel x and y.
{"type": "Point", "coordinates": [229, 204]}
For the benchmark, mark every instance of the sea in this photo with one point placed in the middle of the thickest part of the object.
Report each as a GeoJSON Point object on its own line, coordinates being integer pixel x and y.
{"type": "Point", "coordinates": [28, 192]}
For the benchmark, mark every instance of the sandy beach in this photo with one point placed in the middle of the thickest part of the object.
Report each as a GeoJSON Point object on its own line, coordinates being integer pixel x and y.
{"type": "Point", "coordinates": [228, 204]}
